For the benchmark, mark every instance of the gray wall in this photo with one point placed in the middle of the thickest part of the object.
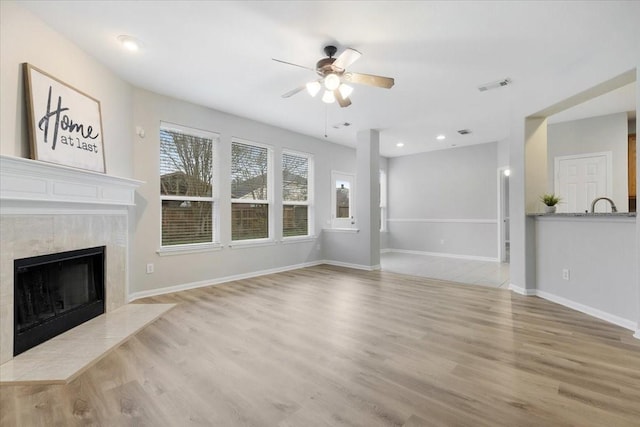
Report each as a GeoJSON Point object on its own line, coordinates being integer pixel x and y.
{"type": "Point", "coordinates": [25, 38]}
{"type": "Point", "coordinates": [601, 257]}
{"type": "Point", "coordinates": [603, 61]}
{"type": "Point", "coordinates": [445, 201]}
{"type": "Point", "coordinates": [175, 270]}
{"type": "Point", "coordinates": [593, 135]}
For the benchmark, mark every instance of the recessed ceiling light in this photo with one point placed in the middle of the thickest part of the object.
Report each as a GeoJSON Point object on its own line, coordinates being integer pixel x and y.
{"type": "Point", "coordinates": [440, 137]}
{"type": "Point", "coordinates": [400, 144]}
{"type": "Point", "coordinates": [129, 43]}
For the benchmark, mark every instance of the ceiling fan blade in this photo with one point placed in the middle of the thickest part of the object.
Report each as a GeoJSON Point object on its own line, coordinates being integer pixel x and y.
{"type": "Point", "coordinates": [369, 79]}
{"type": "Point", "coordinates": [344, 102]}
{"type": "Point", "coordinates": [293, 92]}
{"type": "Point", "coordinates": [291, 63]}
{"type": "Point", "coordinates": [346, 58]}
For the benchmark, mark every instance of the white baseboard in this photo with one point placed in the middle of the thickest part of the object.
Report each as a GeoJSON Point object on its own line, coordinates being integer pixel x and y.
{"type": "Point", "coordinates": [212, 282]}
{"type": "Point", "coordinates": [443, 254]}
{"type": "Point", "coordinates": [591, 311]}
{"type": "Point", "coordinates": [349, 265]}
{"type": "Point", "coordinates": [521, 291]}
{"type": "Point", "coordinates": [603, 315]}
{"type": "Point", "coordinates": [384, 251]}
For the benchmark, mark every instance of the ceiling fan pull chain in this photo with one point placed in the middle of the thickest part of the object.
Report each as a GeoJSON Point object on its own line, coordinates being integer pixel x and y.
{"type": "Point", "coordinates": [326, 113]}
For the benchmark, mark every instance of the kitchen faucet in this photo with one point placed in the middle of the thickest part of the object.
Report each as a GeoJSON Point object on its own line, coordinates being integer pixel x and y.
{"type": "Point", "coordinates": [613, 205]}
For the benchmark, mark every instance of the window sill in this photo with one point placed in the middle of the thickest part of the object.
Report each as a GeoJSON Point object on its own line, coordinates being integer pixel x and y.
{"type": "Point", "coordinates": [188, 249]}
{"type": "Point", "coordinates": [298, 239]}
{"type": "Point", "coordinates": [341, 230]}
{"type": "Point", "coordinates": [241, 244]}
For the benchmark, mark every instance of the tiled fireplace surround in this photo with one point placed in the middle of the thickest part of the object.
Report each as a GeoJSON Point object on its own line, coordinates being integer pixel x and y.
{"type": "Point", "coordinates": [46, 208]}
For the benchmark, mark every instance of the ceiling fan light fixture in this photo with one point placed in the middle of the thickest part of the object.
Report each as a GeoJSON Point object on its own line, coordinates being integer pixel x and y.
{"type": "Point", "coordinates": [328, 97]}
{"type": "Point", "coordinates": [313, 88]}
{"type": "Point", "coordinates": [331, 82]}
{"type": "Point", "coordinates": [345, 90]}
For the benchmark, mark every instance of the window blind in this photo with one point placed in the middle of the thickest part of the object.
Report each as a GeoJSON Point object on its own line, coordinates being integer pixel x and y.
{"type": "Point", "coordinates": [186, 187]}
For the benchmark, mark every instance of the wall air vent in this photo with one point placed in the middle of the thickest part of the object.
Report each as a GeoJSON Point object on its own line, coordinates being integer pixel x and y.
{"type": "Point", "coordinates": [494, 85]}
{"type": "Point", "coordinates": [464, 131]}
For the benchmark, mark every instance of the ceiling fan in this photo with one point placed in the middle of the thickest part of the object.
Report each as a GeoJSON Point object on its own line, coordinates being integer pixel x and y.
{"type": "Point", "coordinates": [334, 77]}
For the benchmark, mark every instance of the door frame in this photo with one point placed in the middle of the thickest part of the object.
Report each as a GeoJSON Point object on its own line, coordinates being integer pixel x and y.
{"type": "Point", "coordinates": [503, 212]}
{"type": "Point", "coordinates": [343, 222]}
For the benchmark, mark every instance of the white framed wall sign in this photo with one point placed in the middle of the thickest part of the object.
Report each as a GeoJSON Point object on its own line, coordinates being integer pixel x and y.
{"type": "Point", "coordinates": [65, 125]}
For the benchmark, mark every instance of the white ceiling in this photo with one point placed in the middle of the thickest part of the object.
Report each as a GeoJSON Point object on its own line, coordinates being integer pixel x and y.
{"type": "Point", "coordinates": [218, 54]}
{"type": "Point", "coordinates": [620, 100]}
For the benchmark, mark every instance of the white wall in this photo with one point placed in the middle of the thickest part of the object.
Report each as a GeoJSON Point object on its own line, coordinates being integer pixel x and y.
{"type": "Point", "coordinates": [175, 270]}
{"type": "Point", "coordinates": [593, 135]}
{"type": "Point", "coordinates": [503, 153]}
{"type": "Point", "coordinates": [445, 201]}
{"type": "Point", "coordinates": [25, 38]}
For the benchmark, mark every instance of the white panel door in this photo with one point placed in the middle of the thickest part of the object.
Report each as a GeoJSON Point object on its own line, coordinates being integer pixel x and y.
{"type": "Point", "coordinates": [580, 179]}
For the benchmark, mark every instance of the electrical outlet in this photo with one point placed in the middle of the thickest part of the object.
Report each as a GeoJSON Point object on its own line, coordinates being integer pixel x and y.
{"type": "Point", "coordinates": [149, 268]}
{"type": "Point", "coordinates": [565, 274]}
{"type": "Point", "coordinates": [442, 241]}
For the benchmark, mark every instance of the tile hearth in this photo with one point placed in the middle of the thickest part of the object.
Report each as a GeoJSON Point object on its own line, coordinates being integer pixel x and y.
{"type": "Point", "coordinates": [63, 358]}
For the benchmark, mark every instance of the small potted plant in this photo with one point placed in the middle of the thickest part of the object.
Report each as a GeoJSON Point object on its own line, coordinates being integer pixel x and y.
{"type": "Point", "coordinates": [550, 201]}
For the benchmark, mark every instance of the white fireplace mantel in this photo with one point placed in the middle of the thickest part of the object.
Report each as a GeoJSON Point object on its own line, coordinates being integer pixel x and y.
{"type": "Point", "coordinates": [28, 181]}
{"type": "Point", "coordinates": [48, 208]}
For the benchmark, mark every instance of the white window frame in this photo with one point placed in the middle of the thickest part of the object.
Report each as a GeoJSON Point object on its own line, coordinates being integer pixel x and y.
{"type": "Point", "coordinates": [310, 196]}
{"type": "Point", "coordinates": [268, 201]}
{"type": "Point", "coordinates": [214, 199]}
{"type": "Point", "coordinates": [343, 223]}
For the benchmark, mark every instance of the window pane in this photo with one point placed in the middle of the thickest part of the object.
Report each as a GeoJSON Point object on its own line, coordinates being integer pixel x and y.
{"type": "Point", "coordinates": [295, 220]}
{"type": "Point", "coordinates": [295, 173]}
{"type": "Point", "coordinates": [342, 199]}
{"type": "Point", "coordinates": [249, 221]}
{"type": "Point", "coordinates": [185, 222]}
{"type": "Point", "coordinates": [249, 165]}
{"type": "Point", "coordinates": [185, 164]}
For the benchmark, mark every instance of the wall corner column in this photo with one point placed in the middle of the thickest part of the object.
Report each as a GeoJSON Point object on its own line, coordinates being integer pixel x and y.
{"type": "Point", "coordinates": [368, 196]}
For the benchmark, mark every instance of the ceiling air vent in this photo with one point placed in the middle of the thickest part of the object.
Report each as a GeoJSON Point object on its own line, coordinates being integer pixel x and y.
{"type": "Point", "coordinates": [494, 85]}
{"type": "Point", "coordinates": [464, 131]}
{"type": "Point", "coordinates": [341, 125]}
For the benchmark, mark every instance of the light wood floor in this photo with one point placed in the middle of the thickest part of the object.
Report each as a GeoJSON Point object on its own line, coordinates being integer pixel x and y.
{"type": "Point", "coordinates": [327, 346]}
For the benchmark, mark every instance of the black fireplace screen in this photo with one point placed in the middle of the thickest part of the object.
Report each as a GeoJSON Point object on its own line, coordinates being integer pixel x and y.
{"type": "Point", "coordinates": [54, 293]}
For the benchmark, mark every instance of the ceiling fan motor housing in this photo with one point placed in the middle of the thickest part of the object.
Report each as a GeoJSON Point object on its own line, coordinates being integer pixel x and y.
{"type": "Point", "coordinates": [324, 67]}
{"type": "Point", "coordinates": [330, 51]}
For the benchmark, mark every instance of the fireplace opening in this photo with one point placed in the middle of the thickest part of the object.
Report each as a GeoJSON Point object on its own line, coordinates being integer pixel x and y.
{"type": "Point", "coordinates": [54, 293]}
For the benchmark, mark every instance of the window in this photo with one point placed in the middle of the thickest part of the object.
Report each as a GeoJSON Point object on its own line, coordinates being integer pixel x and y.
{"type": "Point", "coordinates": [342, 200]}
{"type": "Point", "coordinates": [251, 182]}
{"type": "Point", "coordinates": [296, 194]}
{"type": "Point", "coordinates": [186, 185]}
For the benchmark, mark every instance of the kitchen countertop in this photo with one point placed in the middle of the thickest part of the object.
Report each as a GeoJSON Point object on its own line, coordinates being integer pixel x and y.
{"type": "Point", "coordinates": [585, 215]}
